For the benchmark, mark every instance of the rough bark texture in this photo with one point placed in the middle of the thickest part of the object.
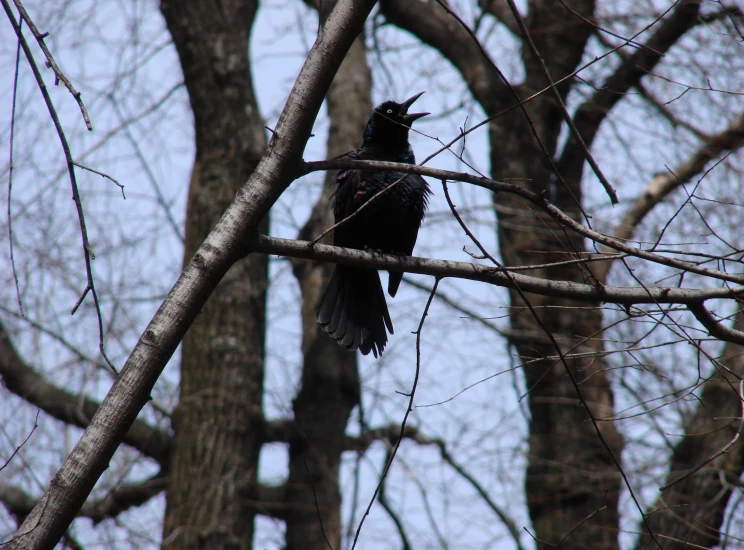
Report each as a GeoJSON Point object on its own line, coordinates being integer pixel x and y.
{"type": "Point", "coordinates": [330, 380]}
{"type": "Point", "coordinates": [571, 476]}
{"type": "Point", "coordinates": [218, 420]}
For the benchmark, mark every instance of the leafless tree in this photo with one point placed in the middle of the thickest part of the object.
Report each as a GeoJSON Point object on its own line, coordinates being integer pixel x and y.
{"type": "Point", "coordinates": [609, 218]}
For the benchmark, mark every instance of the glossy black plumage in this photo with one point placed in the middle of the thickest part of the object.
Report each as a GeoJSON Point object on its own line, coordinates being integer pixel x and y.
{"type": "Point", "coordinates": [353, 309]}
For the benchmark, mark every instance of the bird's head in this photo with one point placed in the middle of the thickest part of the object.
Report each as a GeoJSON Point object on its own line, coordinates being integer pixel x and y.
{"type": "Point", "coordinates": [389, 124]}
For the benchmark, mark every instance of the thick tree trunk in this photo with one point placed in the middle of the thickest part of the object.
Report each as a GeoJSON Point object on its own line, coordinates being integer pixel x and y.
{"type": "Point", "coordinates": [330, 381]}
{"type": "Point", "coordinates": [572, 481]}
{"type": "Point", "coordinates": [218, 419]}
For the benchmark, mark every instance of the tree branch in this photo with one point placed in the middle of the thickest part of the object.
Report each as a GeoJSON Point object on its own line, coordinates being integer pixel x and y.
{"type": "Point", "coordinates": [223, 246]}
{"type": "Point", "coordinates": [662, 185]}
{"type": "Point", "coordinates": [716, 329]}
{"type": "Point", "coordinates": [118, 500]}
{"type": "Point", "coordinates": [592, 112]}
{"type": "Point", "coordinates": [76, 410]}
{"type": "Point", "coordinates": [431, 25]}
{"type": "Point", "coordinates": [495, 276]}
{"type": "Point", "coordinates": [535, 198]}
{"type": "Point", "coordinates": [576, 134]}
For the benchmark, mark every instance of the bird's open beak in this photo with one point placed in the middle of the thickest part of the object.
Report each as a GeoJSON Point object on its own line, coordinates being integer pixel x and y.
{"type": "Point", "coordinates": [413, 116]}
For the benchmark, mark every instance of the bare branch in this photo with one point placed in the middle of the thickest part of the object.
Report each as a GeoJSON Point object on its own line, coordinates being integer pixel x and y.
{"type": "Point", "coordinates": [87, 249]}
{"type": "Point", "coordinates": [73, 409]}
{"type": "Point", "coordinates": [102, 174]}
{"type": "Point", "coordinates": [58, 74]}
{"type": "Point", "coordinates": [662, 185]}
{"type": "Point", "coordinates": [406, 544]}
{"type": "Point", "coordinates": [19, 447]}
{"type": "Point", "coordinates": [10, 172]}
{"type": "Point", "coordinates": [118, 500]}
{"type": "Point", "coordinates": [394, 450]}
{"type": "Point", "coordinates": [589, 116]}
{"type": "Point", "coordinates": [576, 134]}
{"type": "Point", "coordinates": [537, 199]}
{"type": "Point", "coordinates": [222, 247]}
{"type": "Point", "coordinates": [431, 24]}
{"type": "Point", "coordinates": [492, 275]}
{"type": "Point", "coordinates": [715, 328]}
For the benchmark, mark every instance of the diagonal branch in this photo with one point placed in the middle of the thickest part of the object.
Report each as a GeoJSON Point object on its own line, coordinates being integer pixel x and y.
{"type": "Point", "coordinates": [58, 74]}
{"type": "Point", "coordinates": [225, 244]}
{"type": "Point", "coordinates": [592, 112]}
{"type": "Point", "coordinates": [662, 185]}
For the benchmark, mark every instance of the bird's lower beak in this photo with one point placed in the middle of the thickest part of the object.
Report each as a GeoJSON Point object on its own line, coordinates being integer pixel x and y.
{"type": "Point", "coordinates": [413, 116]}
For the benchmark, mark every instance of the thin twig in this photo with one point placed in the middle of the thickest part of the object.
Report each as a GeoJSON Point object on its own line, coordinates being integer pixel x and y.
{"type": "Point", "coordinates": [102, 174]}
{"type": "Point", "coordinates": [17, 449]}
{"type": "Point", "coordinates": [405, 417]}
{"type": "Point", "coordinates": [406, 545]}
{"type": "Point", "coordinates": [10, 170]}
{"type": "Point", "coordinates": [87, 250]}
{"type": "Point", "coordinates": [506, 520]}
{"type": "Point", "coordinates": [584, 520]}
{"type": "Point", "coordinates": [58, 74]}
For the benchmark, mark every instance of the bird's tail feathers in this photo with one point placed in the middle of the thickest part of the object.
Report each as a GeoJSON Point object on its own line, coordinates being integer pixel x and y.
{"type": "Point", "coordinates": [353, 310]}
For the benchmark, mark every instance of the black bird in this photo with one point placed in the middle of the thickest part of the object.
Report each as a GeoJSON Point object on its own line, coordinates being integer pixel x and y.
{"type": "Point", "coordinates": [353, 309]}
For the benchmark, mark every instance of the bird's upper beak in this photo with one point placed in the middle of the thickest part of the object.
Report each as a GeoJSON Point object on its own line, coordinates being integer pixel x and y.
{"type": "Point", "coordinates": [413, 116]}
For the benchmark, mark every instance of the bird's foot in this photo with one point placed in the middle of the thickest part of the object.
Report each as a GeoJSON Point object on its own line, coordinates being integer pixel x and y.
{"type": "Point", "coordinates": [375, 250]}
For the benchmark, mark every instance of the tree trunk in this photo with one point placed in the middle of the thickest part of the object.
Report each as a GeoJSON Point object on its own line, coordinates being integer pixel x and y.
{"type": "Point", "coordinates": [218, 420]}
{"type": "Point", "coordinates": [572, 482]}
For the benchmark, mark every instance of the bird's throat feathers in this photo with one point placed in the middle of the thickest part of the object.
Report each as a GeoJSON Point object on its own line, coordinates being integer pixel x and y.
{"type": "Point", "coordinates": [387, 138]}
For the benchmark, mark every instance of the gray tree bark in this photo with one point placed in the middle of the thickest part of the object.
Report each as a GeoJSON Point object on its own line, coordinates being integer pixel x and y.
{"type": "Point", "coordinates": [218, 420]}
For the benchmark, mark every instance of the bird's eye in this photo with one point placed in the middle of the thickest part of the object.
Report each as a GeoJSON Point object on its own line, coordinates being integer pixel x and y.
{"type": "Point", "coordinates": [390, 111]}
